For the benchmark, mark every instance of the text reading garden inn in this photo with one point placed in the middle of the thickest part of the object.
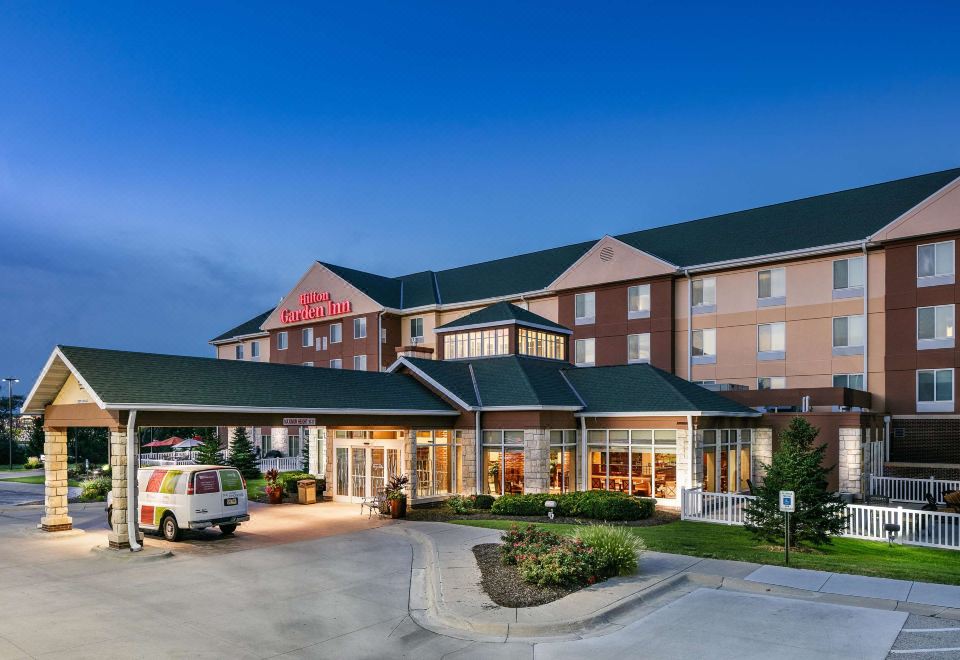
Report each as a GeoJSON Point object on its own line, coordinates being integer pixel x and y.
{"type": "Point", "coordinates": [644, 362]}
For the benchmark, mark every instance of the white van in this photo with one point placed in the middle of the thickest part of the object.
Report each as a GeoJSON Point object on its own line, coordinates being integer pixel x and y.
{"type": "Point", "coordinates": [189, 497]}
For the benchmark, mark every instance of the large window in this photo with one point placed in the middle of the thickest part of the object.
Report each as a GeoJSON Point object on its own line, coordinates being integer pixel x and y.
{"type": "Point", "coordinates": [541, 344]}
{"type": "Point", "coordinates": [704, 294]}
{"type": "Point", "coordinates": [935, 263]}
{"type": "Point", "coordinates": [585, 354]}
{"type": "Point", "coordinates": [935, 327]}
{"type": "Point", "coordinates": [638, 347]}
{"type": "Point", "coordinates": [479, 343]}
{"type": "Point", "coordinates": [238, 353]}
{"type": "Point", "coordinates": [282, 341]}
{"type": "Point", "coordinates": [771, 383]}
{"type": "Point", "coordinates": [360, 328]}
{"type": "Point", "coordinates": [935, 390]}
{"type": "Point", "coordinates": [306, 337]}
{"type": "Point", "coordinates": [416, 330]}
{"type": "Point", "coordinates": [772, 286]}
{"type": "Point", "coordinates": [563, 461]}
{"type": "Point", "coordinates": [359, 362]}
{"type": "Point", "coordinates": [254, 350]}
{"type": "Point", "coordinates": [638, 462]}
{"type": "Point", "coordinates": [726, 459]}
{"type": "Point", "coordinates": [853, 381]}
{"type": "Point", "coordinates": [848, 277]}
{"type": "Point", "coordinates": [849, 335]}
{"type": "Point", "coordinates": [771, 341]}
{"type": "Point", "coordinates": [502, 462]}
{"type": "Point", "coordinates": [638, 301]}
{"type": "Point", "coordinates": [336, 333]}
{"type": "Point", "coordinates": [336, 363]}
{"type": "Point", "coordinates": [585, 308]}
{"type": "Point", "coordinates": [434, 462]}
{"type": "Point", "coordinates": [704, 346]}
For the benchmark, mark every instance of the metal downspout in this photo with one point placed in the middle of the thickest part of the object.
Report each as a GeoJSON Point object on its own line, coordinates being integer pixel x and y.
{"type": "Point", "coordinates": [479, 451]}
{"type": "Point", "coordinates": [866, 317]}
{"type": "Point", "coordinates": [583, 454]}
{"type": "Point", "coordinates": [689, 325]}
{"type": "Point", "coordinates": [380, 341]}
{"type": "Point", "coordinates": [133, 509]}
{"type": "Point", "coordinates": [690, 460]}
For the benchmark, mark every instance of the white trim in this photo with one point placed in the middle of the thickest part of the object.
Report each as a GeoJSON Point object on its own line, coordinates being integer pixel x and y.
{"type": "Point", "coordinates": [500, 408]}
{"type": "Point", "coordinates": [776, 256]}
{"type": "Point", "coordinates": [490, 324]}
{"type": "Point", "coordinates": [927, 201]}
{"type": "Point", "coordinates": [28, 401]}
{"type": "Point", "coordinates": [670, 413]}
{"type": "Point", "coordinates": [594, 248]}
{"type": "Point", "coordinates": [236, 338]}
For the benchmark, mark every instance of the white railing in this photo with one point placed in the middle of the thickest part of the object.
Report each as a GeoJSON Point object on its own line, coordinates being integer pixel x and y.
{"type": "Point", "coordinates": [902, 489]}
{"type": "Point", "coordinates": [285, 464]}
{"type": "Point", "coordinates": [152, 462]}
{"type": "Point", "coordinates": [936, 529]}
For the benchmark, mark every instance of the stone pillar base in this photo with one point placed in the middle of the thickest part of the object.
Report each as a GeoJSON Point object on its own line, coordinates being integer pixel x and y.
{"type": "Point", "coordinates": [57, 524]}
{"type": "Point", "coordinates": [117, 542]}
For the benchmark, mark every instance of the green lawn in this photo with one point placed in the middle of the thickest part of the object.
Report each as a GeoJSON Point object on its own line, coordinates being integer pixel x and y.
{"type": "Point", "coordinates": [843, 556]}
{"type": "Point", "coordinates": [256, 488]}
{"type": "Point", "coordinates": [37, 479]}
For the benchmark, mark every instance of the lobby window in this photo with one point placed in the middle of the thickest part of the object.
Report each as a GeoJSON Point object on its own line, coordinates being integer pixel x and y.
{"type": "Point", "coordinates": [282, 341]}
{"type": "Point", "coordinates": [704, 298]}
{"type": "Point", "coordinates": [637, 462]}
{"type": "Point", "coordinates": [359, 362]}
{"type": "Point", "coordinates": [935, 390]}
{"type": "Point", "coordinates": [254, 350]}
{"type": "Point", "coordinates": [266, 443]}
{"type": "Point", "coordinates": [638, 347]}
{"type": "Point", "coordinates": [336, 364]}
{"type": "Point", "coordinates": [336, 333]}
{"type": "Point", "coordinates": [771, 287]}
{"type": "Point", "coordinates": [853, 381]}
{"type": "Point", "coordinates": [238, 352]}
{"type": "Point", "coordinates": [726, 461]}
{"type": "Point", "coordinates": [585, 352]}
{"type": "Point", "coordinates": [563, 461]}
{"type": "Point", "coordinates": [935, 327]}
{"type": "Point", "coordinates": [638, 301]}
{"type": "Point", "coordinates": [935, 264]}
{"type": "Point", "coordinates": [306, 337]}
{"type": "Point", "coordinates": [585, 308]}
{"type": "Point", "coordinates": [360, 328]}
{"type": "Point", "coordinates": [434, 463]}
{"type": "Point", "coordinates": [771, 341]}
{"type": "Point", "coordinates": [848, 278]}
{"type": "Point", "coordinates": [416, 330]}
{"type": "Point", "coordinates": [848, 335]}
{"type": "Point", "coordinates": [771, 383]}
{"type": "Point", "coordinates": [541, 344]}
{"type": "Point", "coordinates": [705, 346]}
{"type": "Point", "coordinates": [502, 462]}
{"type": "Point", "coordinates": [485, 343]}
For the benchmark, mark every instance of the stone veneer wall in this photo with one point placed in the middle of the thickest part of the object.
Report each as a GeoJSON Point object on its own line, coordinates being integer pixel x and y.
{"type": "Point", "coordinates": [685, 466]}
{"type": "Point", "coordinates": [278, 439]}
{"type": "Point", "coordinates": [536, 461]}
{"type": "Point", "coordinates": [468, 465]}
{"type": "Point", "coordinates": [762, 452]}
{"type": "Point", "coordinates": [55, 478]}
{"type": "Point", "coordinates": [119, 534]}
{"type": "Point", "coordinates": [850, 464]}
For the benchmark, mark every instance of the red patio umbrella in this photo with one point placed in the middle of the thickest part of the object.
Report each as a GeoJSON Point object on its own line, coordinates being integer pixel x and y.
{"type": "Point", "coordinates": [169, 442]}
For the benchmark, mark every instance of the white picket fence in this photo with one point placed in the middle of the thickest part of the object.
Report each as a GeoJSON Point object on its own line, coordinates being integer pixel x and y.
{"type": "Point", "coordinates": [935, 529]}
{"type": "Point", "coordinates": [902, 489]}
{"type": "Point", "coordinates": [285, 464]}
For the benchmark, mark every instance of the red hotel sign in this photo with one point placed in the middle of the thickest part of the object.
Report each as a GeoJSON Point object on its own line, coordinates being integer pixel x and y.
{"type": "Point", "coordinates": [315, 305]}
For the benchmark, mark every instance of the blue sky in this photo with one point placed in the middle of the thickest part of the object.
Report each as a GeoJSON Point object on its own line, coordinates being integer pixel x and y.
{"type": "Point", "coordinates": [167, 171]}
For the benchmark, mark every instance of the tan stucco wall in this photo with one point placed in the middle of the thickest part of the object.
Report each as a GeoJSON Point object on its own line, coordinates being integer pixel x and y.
{"type": "Point", "coordinates": [625, 263]}
{"type": "Point", "coordinates": [320, 278]}
{"type": "Point", "coordinates": [229, 351]}
{"type": "Point", "coordinates": [72, 392]}
{"type": "Point", "coordinates": [940, 213]}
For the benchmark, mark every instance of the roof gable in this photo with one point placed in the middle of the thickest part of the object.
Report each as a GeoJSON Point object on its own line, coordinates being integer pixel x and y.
{"type": "Point", "coordinates": [611, 260]}
{"type": "Point", "coordinates": [502, 313]}
{"type": "Point", "coordinates": [936, 214]}
{"type": "Point", "coordinates": [320, 280]}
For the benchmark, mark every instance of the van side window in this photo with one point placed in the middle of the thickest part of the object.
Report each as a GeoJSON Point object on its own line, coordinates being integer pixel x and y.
{"type": "Point", "coordinates": [206, 482]}
{"type": "Point", "coordinates": [231, 480]}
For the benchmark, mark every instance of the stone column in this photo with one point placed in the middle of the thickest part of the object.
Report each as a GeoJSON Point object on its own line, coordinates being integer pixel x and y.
{"type": "Point", "coordinates": [119, 534]}
{"type": "Point", "coordinates": [316, 449]}
{"type": "Point", "coordinates": [762, 452]}
{"type": "Point", "coordinates": [685, 460]}
{"type": "Point", "coordinates": [536, 461]}
{"type": "Point", "coordinates": [411, 463]}
{"type": "Point", "coordinates": [468, 467]}
{"type": "Point", "coordinates": [278, 439]}
{"type": "Point", "coordinates": [850, 464]}
{"type": "Point", "coordinates": [56, 518]}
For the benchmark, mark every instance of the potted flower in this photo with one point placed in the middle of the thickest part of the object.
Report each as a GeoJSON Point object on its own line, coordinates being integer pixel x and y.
{"type": "Point", "coordinates": [273, 488]}
{"type": "Point", "coordinates": [397, 497]}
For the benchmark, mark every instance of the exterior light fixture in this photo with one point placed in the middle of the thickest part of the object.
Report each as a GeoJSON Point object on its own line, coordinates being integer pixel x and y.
{"type": "Point", "coordinates": [892, 529]}
{"type": "Point", "coordinates": [551, 505]}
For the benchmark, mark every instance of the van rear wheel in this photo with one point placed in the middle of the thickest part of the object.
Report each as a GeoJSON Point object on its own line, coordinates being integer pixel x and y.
{"type": "Point", "coordinates": [170, 528]}
{"type": "Point", "coordinates": [227, 530]}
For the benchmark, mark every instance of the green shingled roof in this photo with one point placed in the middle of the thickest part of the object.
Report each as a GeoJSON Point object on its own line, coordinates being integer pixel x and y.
{"type": "Point", "coordinates": [642, 388]}
{"type": "Point", "coordinates": [503, 312]}
{"type": "Point", "coordinates": [250, 327]}
{"type": "Point", "coordinates": [122, 377]}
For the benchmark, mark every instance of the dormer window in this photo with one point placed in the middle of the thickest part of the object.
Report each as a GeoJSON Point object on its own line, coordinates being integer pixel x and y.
{"type": "Point", "coordinates": [541, 344]}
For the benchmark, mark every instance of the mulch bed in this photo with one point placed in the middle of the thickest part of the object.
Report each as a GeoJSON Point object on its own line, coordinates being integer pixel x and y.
{"type": "Point", "coordinates": [439, 514]}
{"type": "Point", "coordinates": [506, 587]}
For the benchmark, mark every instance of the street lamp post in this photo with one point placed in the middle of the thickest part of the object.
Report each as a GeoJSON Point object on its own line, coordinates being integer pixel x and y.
{"type": "Point", "coordinates": [10, 382]}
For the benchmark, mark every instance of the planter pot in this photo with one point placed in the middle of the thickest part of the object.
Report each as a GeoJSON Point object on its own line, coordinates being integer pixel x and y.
{"type": "Point", "coordinates": [275, 495]}
{"type": "Point", "coordinates": [398, 508]}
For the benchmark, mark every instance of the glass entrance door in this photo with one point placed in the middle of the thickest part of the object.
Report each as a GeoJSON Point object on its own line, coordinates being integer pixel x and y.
{"type": "Point", "coordinates": [363, 471]}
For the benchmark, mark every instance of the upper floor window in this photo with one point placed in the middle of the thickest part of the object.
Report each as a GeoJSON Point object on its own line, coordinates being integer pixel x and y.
{"type": "Point", "coordinates": [541, 344]}
{"type": "Point", "coordinates": [849, 335]}
{"type": "Point", "coordinates": [322, 343]}
{"type": "Point", "coordinates": [704, 344]}
{"type": "Point", "coordinates": [935, 327]}
{"type": "Point", "coordinates": [336, 333]}
{"type": "Point", "coordinates": [254, 349]}
{"type": "Point", "coordinates": [360, 362]}
{"type": "Point", "coordinates": [853, 381]}
{"type": "Point", "coordinates": [638, 347]}
{"type": "Point", "coordinates": [416, 330]}
{"type": "Point", "coordinates": [771, 287]}
{"type": "Point", "coordinates": [585, 308]}
{"type": "Point", "coordinates": [306, 336]}
{"type": "Point", "coordinates": [478, 343]}
{"type": "Point", "coordinates": [238, 353]}
{"type": "Point", "coordinates": [935, 264]}
{"type": "Point", "coordinates": [704, 295]}
{"type": "Point", "coordinates": [638, 301]}
{"type": "Point", "coordinates": [360, 327]}
{"type": "Point", "coordinates": [848, 277]}
{"type": "Point", "coordinates": [771, 341]}
{"type": "Point", "coordinates": [282, 341]}
{"type": "Point", "coordinates": [935, 390]}
{"type": "Point", "coordinates": [307, 364]}
{"type": "Point", "coordinates": [771, 383]}
{"type": "Point", "coordinates": [336, 364]}
{"type": "Point", "coordinates": [585, 355]}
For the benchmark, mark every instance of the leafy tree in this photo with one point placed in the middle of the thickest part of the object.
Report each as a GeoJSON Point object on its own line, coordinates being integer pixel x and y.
{"type": "Point", "coordinates": [88, 444]}
{"type": "Point", "coordinates": [241, 455]}
{"type": "Point", "coordinates": [208, 452]}
{"type": "Point", "coordinates": [798, 466]}
{"type": "Point", "coordinates": [35, 439]}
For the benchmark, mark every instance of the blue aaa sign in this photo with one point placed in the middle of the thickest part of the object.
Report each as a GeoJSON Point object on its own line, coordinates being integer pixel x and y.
{"type": "Point", "coordinates": [788, 503]}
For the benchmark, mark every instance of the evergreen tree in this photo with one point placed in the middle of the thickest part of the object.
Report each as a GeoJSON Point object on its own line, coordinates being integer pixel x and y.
{"type": "Point", "coordinates": [241, 455]}
{"type": "Point", "coordinates": [305, 454]}
{"type": "Point", "coordinates": [798, 466]}
{"type": "Point", "coordinates": [208, 452]}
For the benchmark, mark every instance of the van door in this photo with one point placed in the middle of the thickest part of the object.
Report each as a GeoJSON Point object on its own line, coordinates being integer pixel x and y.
{"type": "Point", "coordinates": [233, 493]}
{"type": "Point", "coordinates": [206, 502]}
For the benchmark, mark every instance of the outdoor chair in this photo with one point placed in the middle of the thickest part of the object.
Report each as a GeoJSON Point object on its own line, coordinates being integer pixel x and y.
{"type": "Point", "coordinates": [953, 501]}
{"type": "Point", "coordinates": [931, 504]}
{"type": "Point", "coordinates": [376, 503]}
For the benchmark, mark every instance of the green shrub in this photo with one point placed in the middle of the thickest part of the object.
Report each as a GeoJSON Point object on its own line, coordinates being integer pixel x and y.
{"type": "Point", "coordinates": [544, 558]}
{"type": "Point", "coordinates": [615, 549]}
{"type": "Point", "coordinates": [94, 490]}
{"type": "Point", "coordinates": [32, 463]}
{"type": "Point", "coordinates": [521, 505]}
{"type": "Point", "coordinates": [460, 504]}
{"type": "Point", "coordinates": [483, 502]}
{"type": "Point", "coordinates": [288, 480]}
{"type": "Point", "coordinates": [595, 504]}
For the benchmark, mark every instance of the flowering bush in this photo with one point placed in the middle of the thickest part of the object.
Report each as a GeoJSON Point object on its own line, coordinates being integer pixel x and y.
{"type": "Point", "coordinates": [544, 558]}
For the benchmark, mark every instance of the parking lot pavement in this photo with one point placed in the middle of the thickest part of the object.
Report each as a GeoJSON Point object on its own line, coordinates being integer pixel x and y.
{"type": "Point", "coordinates": [13, 493]}
{"type": "Point", "coordinates": [927, 638]}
